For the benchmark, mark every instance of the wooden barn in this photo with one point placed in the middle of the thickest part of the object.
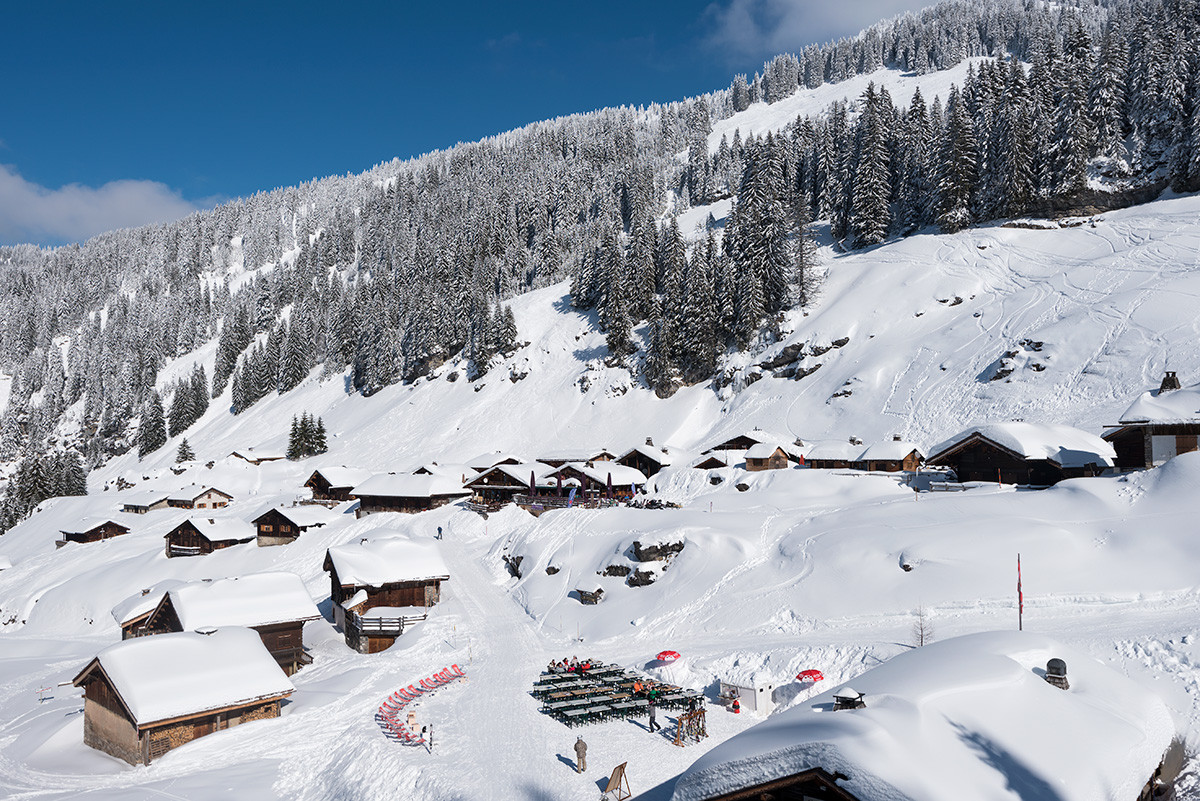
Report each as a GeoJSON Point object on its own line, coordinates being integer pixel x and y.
{"type": "Point", "coordinates": [380, 587]}
{"type": "Point", "coordinates": [132, 613]}
{"type": "Point", "coordinates": [275, 605]}
{"type": "Point", "coordinates": [833, 455]}
{"type": "Point", "coordinates": [93, 530]}
{"type": "Point", "coordinates": [146, 696]}
{"type": "Point", "coordinates": [893, 456]}
{"type": "Point", "coordinates": [497, 485]}
{"type": "Point", "coordinates": [198, 536]}
{"type": "Point", "coordinates": [282, 525]}
{"type": "Point", "coordinates": [765, 456]}
{"type": "Point", "coordinates": [139, 503]}
{"type": "Point", "coordinates": [198, 497]}
{"type": "Point", "coordinates": [1036, 454]}
{"type": "Point", "coordinates": [1158, 426]}
{"type": "Point", "coordinates": [744, 442]}
{"type": "Point", "coordinates": [601, 479]}
{"type": "Point", "coordinates": [970, 717]}
{"type": "Point", "coordinates": [647, 459]}
{"type": "Point", "coordinates": [404, 492]}
{"type": "Point", "coordinates": [719, 459]}
{"type": "Point", "coordinates": [335, 483]}
{"type": "Point", "coordinates": [559, 458]}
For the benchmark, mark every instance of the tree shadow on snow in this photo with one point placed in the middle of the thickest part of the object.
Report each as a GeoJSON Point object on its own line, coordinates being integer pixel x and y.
{"type": "Point", "coordinates": [1024, 783]}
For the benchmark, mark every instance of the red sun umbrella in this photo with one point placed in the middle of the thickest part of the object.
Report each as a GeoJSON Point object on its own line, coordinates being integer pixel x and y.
{"type": "Point", "coordinates": [810, 675]}
{"type": "Point", "coordinates": [667, 656]}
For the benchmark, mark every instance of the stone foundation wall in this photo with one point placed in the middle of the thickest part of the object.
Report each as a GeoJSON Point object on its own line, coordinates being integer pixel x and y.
{"type": "Point", "coordinates": [111, 733]}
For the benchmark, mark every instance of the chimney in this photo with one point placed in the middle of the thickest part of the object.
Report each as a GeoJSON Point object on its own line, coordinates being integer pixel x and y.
{"type": "Point", "coordinates": [146, 591]}
{"type": "Point", "coordinates": [895, 438]}
{"type": "Point", "coordinates": [1056, 674]}
{"type": "Point", "coordinates": [1169, 382]}
{"type": "Point", "coordinates": [650, 441]}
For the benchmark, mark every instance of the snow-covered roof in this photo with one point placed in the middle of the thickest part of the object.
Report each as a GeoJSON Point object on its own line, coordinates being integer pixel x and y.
{"type": "Point", "coordinates": [726, 457]}
{"type": "Point", "coordinates": [518, 473]}
{"type": "Point", "coordinates": [890, 450]}
{"type": "Point", "coordinates": [959, 719]}
{"type": "Point", "coordinates": [485, 460]}
{"type": "Point", "coordinates": [185, 673]}
{"type": "Point", "coordinates": [259, 455]}
{"type": "Point", "coordinates": [662, 456]}
{"type": "Point", "coordinates": [622, 475]}
{"type": "Point", "coordinates": [384, 560]}
{"type": "Point", "coordinates": [303, 516]}
{"type": "Point", "coordinates": [259, 599]}
{"type": "Point", "coordinates": [1174, 406]}
{"type": "Point", "coordinates": [144, 602]}
{"type": "Point", "coordinates": [406, 485]}
{"type": "Point", "coordinates": [574, 454]}
{"type": "Point", "coordinates": [86, 524]}
{"type": "Point", "coordinates": [145, 497]}
{"type": "Point", "coordinates": [1064, 445]}
{"type": "Point", "coordinates": [192, 492]}
{"type": "Point", "coordinates": [342, 476]}
{"type": "Point", "coordinates": [221, 529]}
{"type": "Point", "coordinates": [462, 472]}
{"type": "Point", "coordinates": [763, 450]}
{"type": "Point", "coordinates": [833, 450]}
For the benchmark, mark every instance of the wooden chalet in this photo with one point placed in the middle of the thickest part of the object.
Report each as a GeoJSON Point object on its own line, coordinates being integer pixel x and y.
{"type": "Point", "coordinates": [379, 587]}
{"type": "Point", "coordinates": [257, 457]}
{"type": "Point", "coordinates": [601, 479]}
{"type": "Point", "coordinates": [646, 459]}
{"type": "Point", "coordinates": [132, 613]}
{"type": "Point", "coordinates": [970, 717]}
{"type": "Point", "coordinates": [893, 456]}
{"type": "Point", "coordinates": [461, 472]}
{"type": "Point", "coordinates": [1158, 426]}
{"type": "Point", "coordinates": [392, 492]}
{"type": "Point", "coordinates": [746, 441]}
{"type": "Point", "coordinates": [486, 461]}
{"type": "Point", "coordinates": [719, 459]}
{"type": "Point", "coordinates": [198, 536]}
{"type": "Point", "coordinates": [198, 497]}
{"type": "Point", "coordinates": [335, 483]}
{"type": "Point", "coordinates": [1024, 453]}
{"type": "Point", "coordinates": [93, 530]}
{"type": "Point", "coordinates": [146, 696]}
{"type": "Point", "coordinates": [282, 525]}
{"type": "Point", "coordinates": [275, 605]}
{"type": "Point", "coordinates": [142, 502]}
{"type": "Point", "coordinates": [765, 456]}
{"type": "Point", "coordinates": [498, 485]}
{"type": "Point", "coordinates": [833, 455]}
{"type": "Point", "coordinates": [559, 458]}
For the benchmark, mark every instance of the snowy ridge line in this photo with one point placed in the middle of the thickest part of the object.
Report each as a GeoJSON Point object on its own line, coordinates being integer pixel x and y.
{"type": "Point", "coordinates": [388, 714]}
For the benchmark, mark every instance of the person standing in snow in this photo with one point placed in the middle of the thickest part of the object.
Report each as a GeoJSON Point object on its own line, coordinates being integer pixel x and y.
{"type": "Point", "coordinates": [652, 706]}
{"type": "Point", "coordinates": [580, 754]}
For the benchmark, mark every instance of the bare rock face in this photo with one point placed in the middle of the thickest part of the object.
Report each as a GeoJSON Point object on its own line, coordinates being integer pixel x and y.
{"type": "Point", "coordinates": [641, 578]}
{"type": "Point", "coordinates": [617, 570]}
{"type": "Point", "coordinates": [513, 563]}
{"type": "Point", "coordinates": [655, 553]}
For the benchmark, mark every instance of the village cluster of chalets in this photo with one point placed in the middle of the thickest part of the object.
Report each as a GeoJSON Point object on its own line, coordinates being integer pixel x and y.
{"type": "Point", "coordinates": [201, 656]}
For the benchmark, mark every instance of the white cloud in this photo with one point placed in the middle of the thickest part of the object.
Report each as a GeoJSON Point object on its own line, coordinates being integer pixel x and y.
{"type": "Point", "coordinates": [32, 213]}
{"type": "Point", "coordinates": [764, 28]}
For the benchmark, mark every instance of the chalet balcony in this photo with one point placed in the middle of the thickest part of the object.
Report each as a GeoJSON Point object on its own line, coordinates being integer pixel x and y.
{"type": "Point", "coordinates": [385, 623]}
{"type": "Point", "coordinates": [184, 550]}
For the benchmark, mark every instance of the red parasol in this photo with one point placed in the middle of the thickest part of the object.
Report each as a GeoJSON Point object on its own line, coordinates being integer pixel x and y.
{"type": "Point", "coordinates": [810, 675]}
{"type": "Point", "coordinates": [667, 656]}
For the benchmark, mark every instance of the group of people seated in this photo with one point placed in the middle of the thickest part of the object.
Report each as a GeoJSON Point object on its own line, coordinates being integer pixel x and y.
{"type": "Point", "coordinates": [648, 689]}
{"type": "Point", "coordinates": [572, 665]}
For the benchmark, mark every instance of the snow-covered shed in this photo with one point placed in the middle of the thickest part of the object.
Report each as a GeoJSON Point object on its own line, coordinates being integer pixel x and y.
{"type": "Point", "coordinates": [891, 456]}
{"type": "Point", "coordinates": [744, 442]}
{"type": "Point", "coordinates": [197, 496]}
{"type": "Point", "coordinates": [139, 503]}
{"type": "Point", "coordinates": [276, 605]}
{"type": "Point", "coordinates": [601, 478]}
{"type": "Point", "coordinates": [1157, 426]}
{"type": "Point", "coordinates": [485, 461]}
{"type": "Point", "coordinates": [197, 536]}
{"type": "Point", "coordinates": [93, 529]}
{"type": "Point", "coordinates": [970, 717]}
{"type": "Point", "coordinates": [766, 456]}
{"type": "Point", "coordinates": [718, 459]}
{"type": "Point", "coordinates": [145, 696]}
{"type": "Point", "coordinates": [335, 483]}
{"type": "Point", "coordinates": [381, 584]}
{"type": "Point", "coordinates": [834, 455]}
{"type": "Point", "coordinates": [281, 525]}
{"type": "Point", "coordinates": [647, 459]}
{"type": "Point", "coordinates": [257, 456]}
{"type": "Point", "coordinates": [133, 612]}
{"type": "Point", "coordinates": [497, 485]}
{"type": "Point", "coordinates": [462, 472]}
{"type": "Point", "coordinates": [404, 492]}
{"type": "Point", "coordinates": [1023, 453]}
{"type": "Point", "coordinates": [560, 457]}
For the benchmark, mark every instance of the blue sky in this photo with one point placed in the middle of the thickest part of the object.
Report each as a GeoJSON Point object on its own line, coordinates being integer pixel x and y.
{"type": "Point", "coordinates": [122, 113]}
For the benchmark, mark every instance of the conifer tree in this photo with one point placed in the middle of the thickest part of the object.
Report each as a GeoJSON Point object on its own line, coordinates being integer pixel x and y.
{"type": "Point", "coordinates": [152, 431]}
{"type": "Point", "coordinates": [185, 453]}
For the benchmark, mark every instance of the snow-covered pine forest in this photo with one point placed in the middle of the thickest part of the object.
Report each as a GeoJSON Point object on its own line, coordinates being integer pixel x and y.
{"type": "Point", "coordinates": [391, 272]}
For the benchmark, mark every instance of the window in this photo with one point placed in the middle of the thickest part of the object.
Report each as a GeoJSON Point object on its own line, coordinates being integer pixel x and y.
{"type": "Point", "coordinates": [267, 528]}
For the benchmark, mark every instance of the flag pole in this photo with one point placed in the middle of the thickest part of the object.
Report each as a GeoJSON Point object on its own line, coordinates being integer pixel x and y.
{"type": "Point", "coordinates": [1020, 598]}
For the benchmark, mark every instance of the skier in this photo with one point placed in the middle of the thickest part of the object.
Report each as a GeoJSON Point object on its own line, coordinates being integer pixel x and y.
{"type": "Point", "coordinates": [439, 536]}
{"type": "Point", "coordinates": [653, 707]}
{"type": "Point", "coordinates": [580, 754]}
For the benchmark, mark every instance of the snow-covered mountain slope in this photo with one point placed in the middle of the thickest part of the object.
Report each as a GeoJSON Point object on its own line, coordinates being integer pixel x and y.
{"type": "Point", "coordinates": [802, 569]}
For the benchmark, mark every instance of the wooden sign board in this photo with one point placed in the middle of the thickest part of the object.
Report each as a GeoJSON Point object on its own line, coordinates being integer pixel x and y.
{"type": "Point", "coordinates": [618, 784]}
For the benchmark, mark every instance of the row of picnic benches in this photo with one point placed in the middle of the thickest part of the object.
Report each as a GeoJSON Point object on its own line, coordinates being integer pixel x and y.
{"type": "Point", "coordinates": [605, 692]}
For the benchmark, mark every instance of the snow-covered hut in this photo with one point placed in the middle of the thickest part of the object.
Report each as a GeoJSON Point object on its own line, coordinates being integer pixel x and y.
{"type": "Point", "coordinates": [335, 483]}
{"type": "Point", "coordinates": [276, 605]}
{"type": "Point", "coordinates": [891, 456]}
{"type": "Point", "coordinates": [647, 459]}
{"type": "Point", "coordinates": [766, 456]}
{"type": "Point", "coordinates": [133, 612]}
{"type": "Point", "coordinates": [485, 461]}
{"type": "Point", "coordinates": [836, 455]}
{"type": "Point", "coordinates": [198, 536]}
{"type": "Point", "coordinates": [1024, 453]}
{"type": "Point", "coordinates": [1158, 425]}
{"type": "Point", "coordinates": [93, 529]}
{"type": "Point", "coordinates": [404, 492]}
{"type": "Point", "coordinates": [597, 479]}
{"type": "Point", "coordinates": [257, 456]}
{"type": "Point", "coordinates": [199, 497]}
{"type": "Point", "coordinates": [379, 586]}
{"type": "Point", "coordinates": [139, 503]}
{"type": "Point", "coordinates": [969, 717]}
{"type": "Point", "coordinates": [498, 485]}
{"type": "Point", "coordinates": [561, 457]}
{"type": "Point", "coordinates": [281, 525]}
{"type": "Point", "coordinates": [146, 696]}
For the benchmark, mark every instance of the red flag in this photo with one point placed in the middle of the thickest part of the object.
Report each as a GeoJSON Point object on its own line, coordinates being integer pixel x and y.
{"type": "Point", "coordinates": [1020, 597]}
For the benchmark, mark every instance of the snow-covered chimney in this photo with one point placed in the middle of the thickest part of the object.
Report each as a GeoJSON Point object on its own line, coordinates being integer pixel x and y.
{"type": "Point", "coordinates": [1169, 382]}
{"type": "Point", "coordinates": [1056, 674]}
{"type": "Point", "coordinates": [650, 441]}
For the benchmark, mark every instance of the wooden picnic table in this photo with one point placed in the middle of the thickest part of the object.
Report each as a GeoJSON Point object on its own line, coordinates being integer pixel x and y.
{"type": "Point", "coordinates": [558, 696]}
{"type": "Point", "coordinates": [620, 696]}
{"type": "Point", "coordinates": [573, 716]}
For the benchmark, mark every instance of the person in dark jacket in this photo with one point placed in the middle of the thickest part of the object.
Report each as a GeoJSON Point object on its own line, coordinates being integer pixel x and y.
{"type": "Point", "coordinates": [580, 754]}
{"type": "Point", "coordinates": [653, 707]}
